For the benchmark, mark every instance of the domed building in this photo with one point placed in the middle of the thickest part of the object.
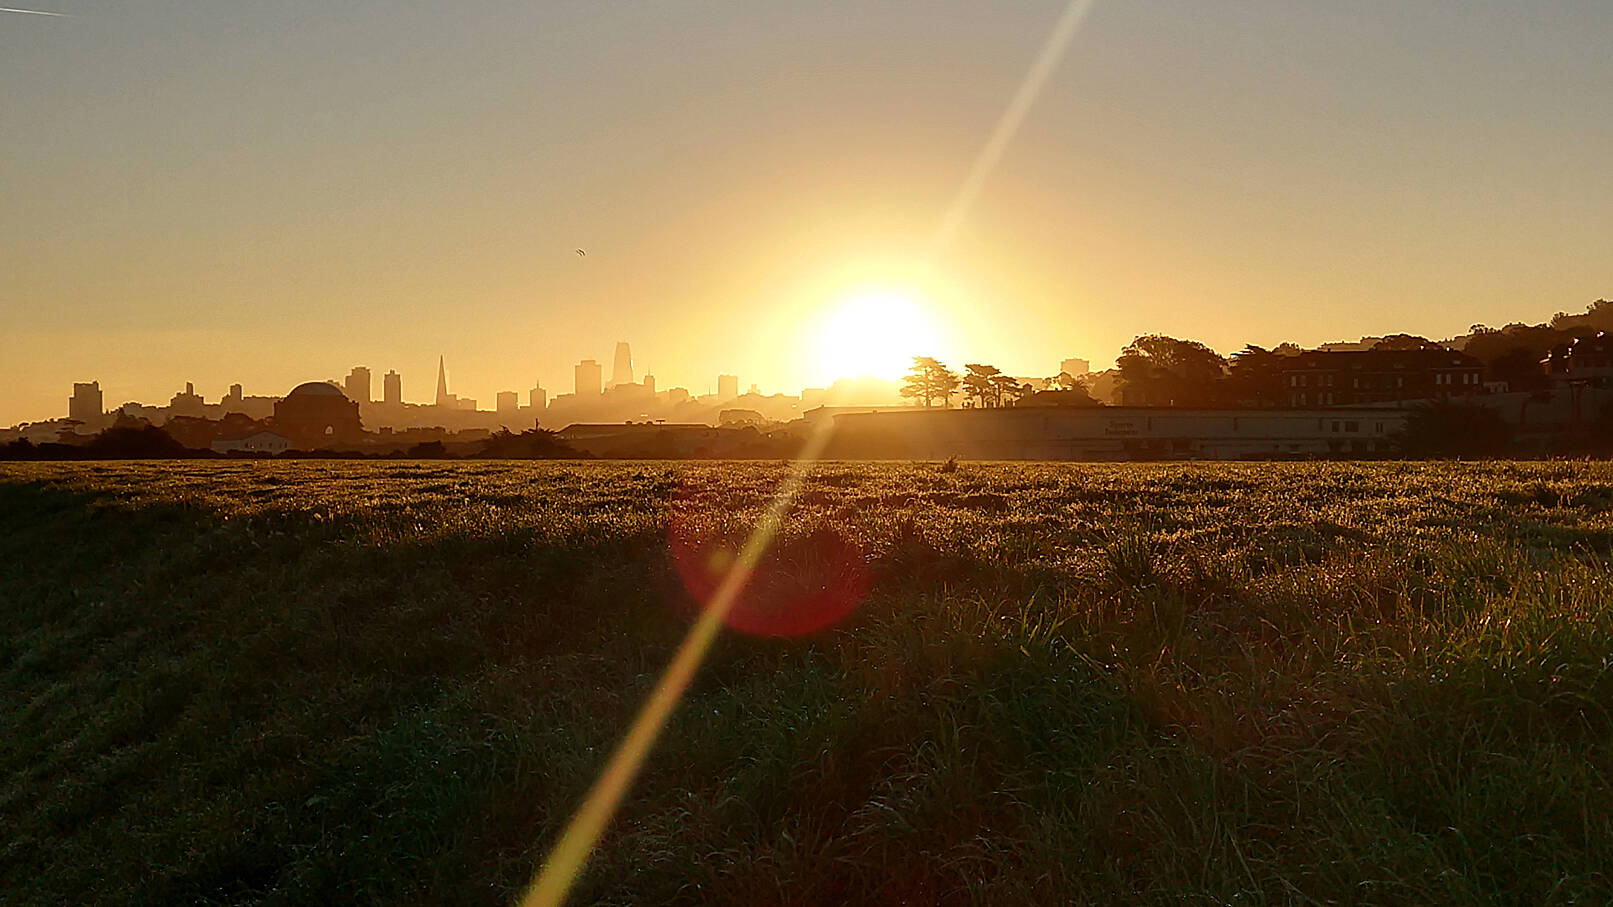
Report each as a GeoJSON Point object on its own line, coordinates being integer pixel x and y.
{"type": "Point", "coordinates": [317, 414]}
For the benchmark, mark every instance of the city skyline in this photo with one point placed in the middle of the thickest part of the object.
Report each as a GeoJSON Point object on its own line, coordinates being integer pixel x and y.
{"type": "Point", "coordinates": [91, 402]}
{"type": "Point", "coordinates": [261, 192]}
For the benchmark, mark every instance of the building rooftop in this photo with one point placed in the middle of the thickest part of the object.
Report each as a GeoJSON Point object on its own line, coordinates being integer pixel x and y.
{"type": "Point", "coordinates": [316, 389]}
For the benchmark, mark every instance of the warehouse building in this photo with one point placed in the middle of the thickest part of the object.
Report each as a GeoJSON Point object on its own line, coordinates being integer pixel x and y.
{"type": "Point", "coordinates": [1119, 433]}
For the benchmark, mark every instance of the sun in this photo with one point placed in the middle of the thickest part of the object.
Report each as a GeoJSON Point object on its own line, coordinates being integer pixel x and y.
{"type": "Point", "coordinates": [875, 332]}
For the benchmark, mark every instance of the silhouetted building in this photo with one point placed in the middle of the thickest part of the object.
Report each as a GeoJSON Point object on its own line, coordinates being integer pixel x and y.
{"type": "Point", "coordinates": [1358, 377]}
{"type": "Point", "coordinates": [641, 439]}
{"type": "Point", "coordinates": [727, 387]}
{"type": "Point", "coordinates": [1117, 433]}
{"type": "Point", "coordinates": [263, 442]}
{"type": "Point", "coordinates": [1586, 360]}
{"type": "Point", "coordinates": [392, 388]}
{"type": "Point", "coordinates": [508, 402]}
{"type": "Point", "coordinates": [622, 373]}
{"type": "Point", "coordinates": [587, 378]}
{"type": "Point", "coordinates": [729, 418]}
{"type": "Point", "coordinates": [442, 383]}
{"type": "Point", "coordinates": [85, 404]}
{"type": "Point", "coordinates": [1075, 368]}
{"type": "Point", "coordinates": [238, 403]}
{"type": "Point", "coordinates": [317, 414]}
{"type": "Point", "coordinates": [358, 384]}
{"type": "Point", "coordinates": [537, 398]}
{"type": "Point", "coordinates": [188, 403]}
{"type": "Point", "coordinates": [649, 384]}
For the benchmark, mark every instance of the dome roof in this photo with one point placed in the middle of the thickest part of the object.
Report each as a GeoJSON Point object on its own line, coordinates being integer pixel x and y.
{"type": "Point", "coordinates": [316, 389]}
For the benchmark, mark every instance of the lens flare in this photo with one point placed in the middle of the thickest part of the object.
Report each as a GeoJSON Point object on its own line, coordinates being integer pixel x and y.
{"type": "Point", "coordinates": [565, 862]}
{"type": "Point", "coordinates": [801, 586]}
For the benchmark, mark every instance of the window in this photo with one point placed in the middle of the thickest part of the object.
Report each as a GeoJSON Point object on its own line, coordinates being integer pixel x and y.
{"type": "Point", "coordinates": [1352, 426]}
{"type": "Point", "coordinates": [1335, 426]}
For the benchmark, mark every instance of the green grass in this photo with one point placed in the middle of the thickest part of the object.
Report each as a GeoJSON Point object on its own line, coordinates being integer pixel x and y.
{"type": "Point", "coordinates": [322, 683]}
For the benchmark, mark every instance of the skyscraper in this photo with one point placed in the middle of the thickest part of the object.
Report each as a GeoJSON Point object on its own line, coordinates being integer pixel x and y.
{"type": "Point", "coordinates": [727, 387]}
{"type": "Point", "coordinates": [537, 398]}
{"type": "Point", "coordinates": [392, 388]}
{"type": "Point", "coordinates": [85, 404]}
{"type": "Point", "coordinates": [188, 403]}
{"type": "Point", "coordinates": [622, 373]}
{"type": "Point", "coordinates": [442, 383]}
{"type": "Point", "coordinates": [586, 378]}
{"type": "Point", "coordinates": [358, 384]}
{"type": "Point", "coordinates": [508, 403]}
{"type": "Point", "coordinates": [649, 384]}
{"type": "Point", "coordinates": [1075, 368]}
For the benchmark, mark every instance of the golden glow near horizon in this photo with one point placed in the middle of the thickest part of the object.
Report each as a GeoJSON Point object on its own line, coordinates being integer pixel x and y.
{"type": "Point", "coordinates": [875, 332]}
{"type": "Point", "coordinates": [345, 185]}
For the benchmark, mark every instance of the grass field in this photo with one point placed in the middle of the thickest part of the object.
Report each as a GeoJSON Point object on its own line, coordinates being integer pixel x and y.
{"type": "Point", "coordinates": [332, 683]}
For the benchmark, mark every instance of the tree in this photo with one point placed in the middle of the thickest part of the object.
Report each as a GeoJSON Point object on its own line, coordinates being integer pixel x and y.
{"type": "Point", "coordinates": [1520, 369]}
{"type": "Point", "coordinates": [977, 384]}
{"type": "Point", "coordinates": [1162, 371]}
{"type": "Point", "coordinates": [1007, 389]}
{"type": "Point", "coordinates": [1406, 342]}
{"type": "Point", "coordinates": [1598, 316]}
{"type": "Point", "coordinates": [1452, 429]}
{"type": "Point", "coordinates": [929, 381]}
{"type": "Point", "coordinates": [1064, 381]}
{"type": "Point", "coordinates": [532, 444]}
{"type": "Point", "coordinates": [1255, 377]}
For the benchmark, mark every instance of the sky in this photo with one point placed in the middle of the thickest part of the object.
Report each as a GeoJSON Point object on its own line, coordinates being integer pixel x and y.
{"type": "Point", "coordinates": [273, 192]}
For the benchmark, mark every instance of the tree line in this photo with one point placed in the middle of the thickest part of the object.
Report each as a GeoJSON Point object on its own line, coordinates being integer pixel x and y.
{"type": "Point", "coordinates": [981, 385]}
{"type": "Point", "coordinates": [1159, 370]}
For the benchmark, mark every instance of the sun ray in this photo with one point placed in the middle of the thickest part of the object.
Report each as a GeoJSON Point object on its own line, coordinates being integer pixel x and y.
{"type": "Point", "coordinates": [1008, 125]}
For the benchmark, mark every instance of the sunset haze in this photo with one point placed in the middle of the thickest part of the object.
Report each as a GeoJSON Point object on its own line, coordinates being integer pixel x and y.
{"type": "Point", "coordinates": [272, 193]}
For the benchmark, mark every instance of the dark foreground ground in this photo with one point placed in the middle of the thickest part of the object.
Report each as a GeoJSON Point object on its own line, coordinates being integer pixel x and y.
{"type": "Point", "coordinates": [392, 682]}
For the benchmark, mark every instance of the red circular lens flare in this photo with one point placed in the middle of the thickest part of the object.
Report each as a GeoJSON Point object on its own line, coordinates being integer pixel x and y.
{"type": "Point", "coordinates": [799, 586]}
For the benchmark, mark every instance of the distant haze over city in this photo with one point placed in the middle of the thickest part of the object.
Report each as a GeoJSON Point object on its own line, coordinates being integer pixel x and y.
{"type": "Point", "coordinates": [269, 194]}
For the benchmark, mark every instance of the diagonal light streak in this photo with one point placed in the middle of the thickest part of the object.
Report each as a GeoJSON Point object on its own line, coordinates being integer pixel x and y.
{"type": "Point", "coordinates": [565, 862]}
{"type": "Point", "coordinates": [35, 12]}
{"type": "Point", "coordinates": [1013, 117]}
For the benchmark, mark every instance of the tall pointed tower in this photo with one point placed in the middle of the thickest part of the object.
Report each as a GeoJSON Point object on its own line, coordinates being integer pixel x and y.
{"type": "Point", "coordinates": [442, 383]}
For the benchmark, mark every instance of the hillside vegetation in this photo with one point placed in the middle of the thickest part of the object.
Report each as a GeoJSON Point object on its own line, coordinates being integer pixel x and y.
{"type": "Point", "coordinates": [392, 682]}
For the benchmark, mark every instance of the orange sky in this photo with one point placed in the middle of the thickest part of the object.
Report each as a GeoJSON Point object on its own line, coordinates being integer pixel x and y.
{"type": "Point", "coordinates": [276, 193]}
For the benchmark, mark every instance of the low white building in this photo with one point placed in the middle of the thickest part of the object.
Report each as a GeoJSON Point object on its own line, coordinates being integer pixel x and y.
{"type": "Point", "coordinates": [1118, 433]}
{"type": "Point", "coordinates": [264, 442]}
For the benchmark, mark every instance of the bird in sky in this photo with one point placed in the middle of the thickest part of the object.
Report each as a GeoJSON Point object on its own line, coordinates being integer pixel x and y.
{"type": "Point", "coordinates": [582, 253]}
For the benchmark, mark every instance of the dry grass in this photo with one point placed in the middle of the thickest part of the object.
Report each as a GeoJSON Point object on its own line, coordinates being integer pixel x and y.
{"type": "Point", "coordinates": [390, 682]}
